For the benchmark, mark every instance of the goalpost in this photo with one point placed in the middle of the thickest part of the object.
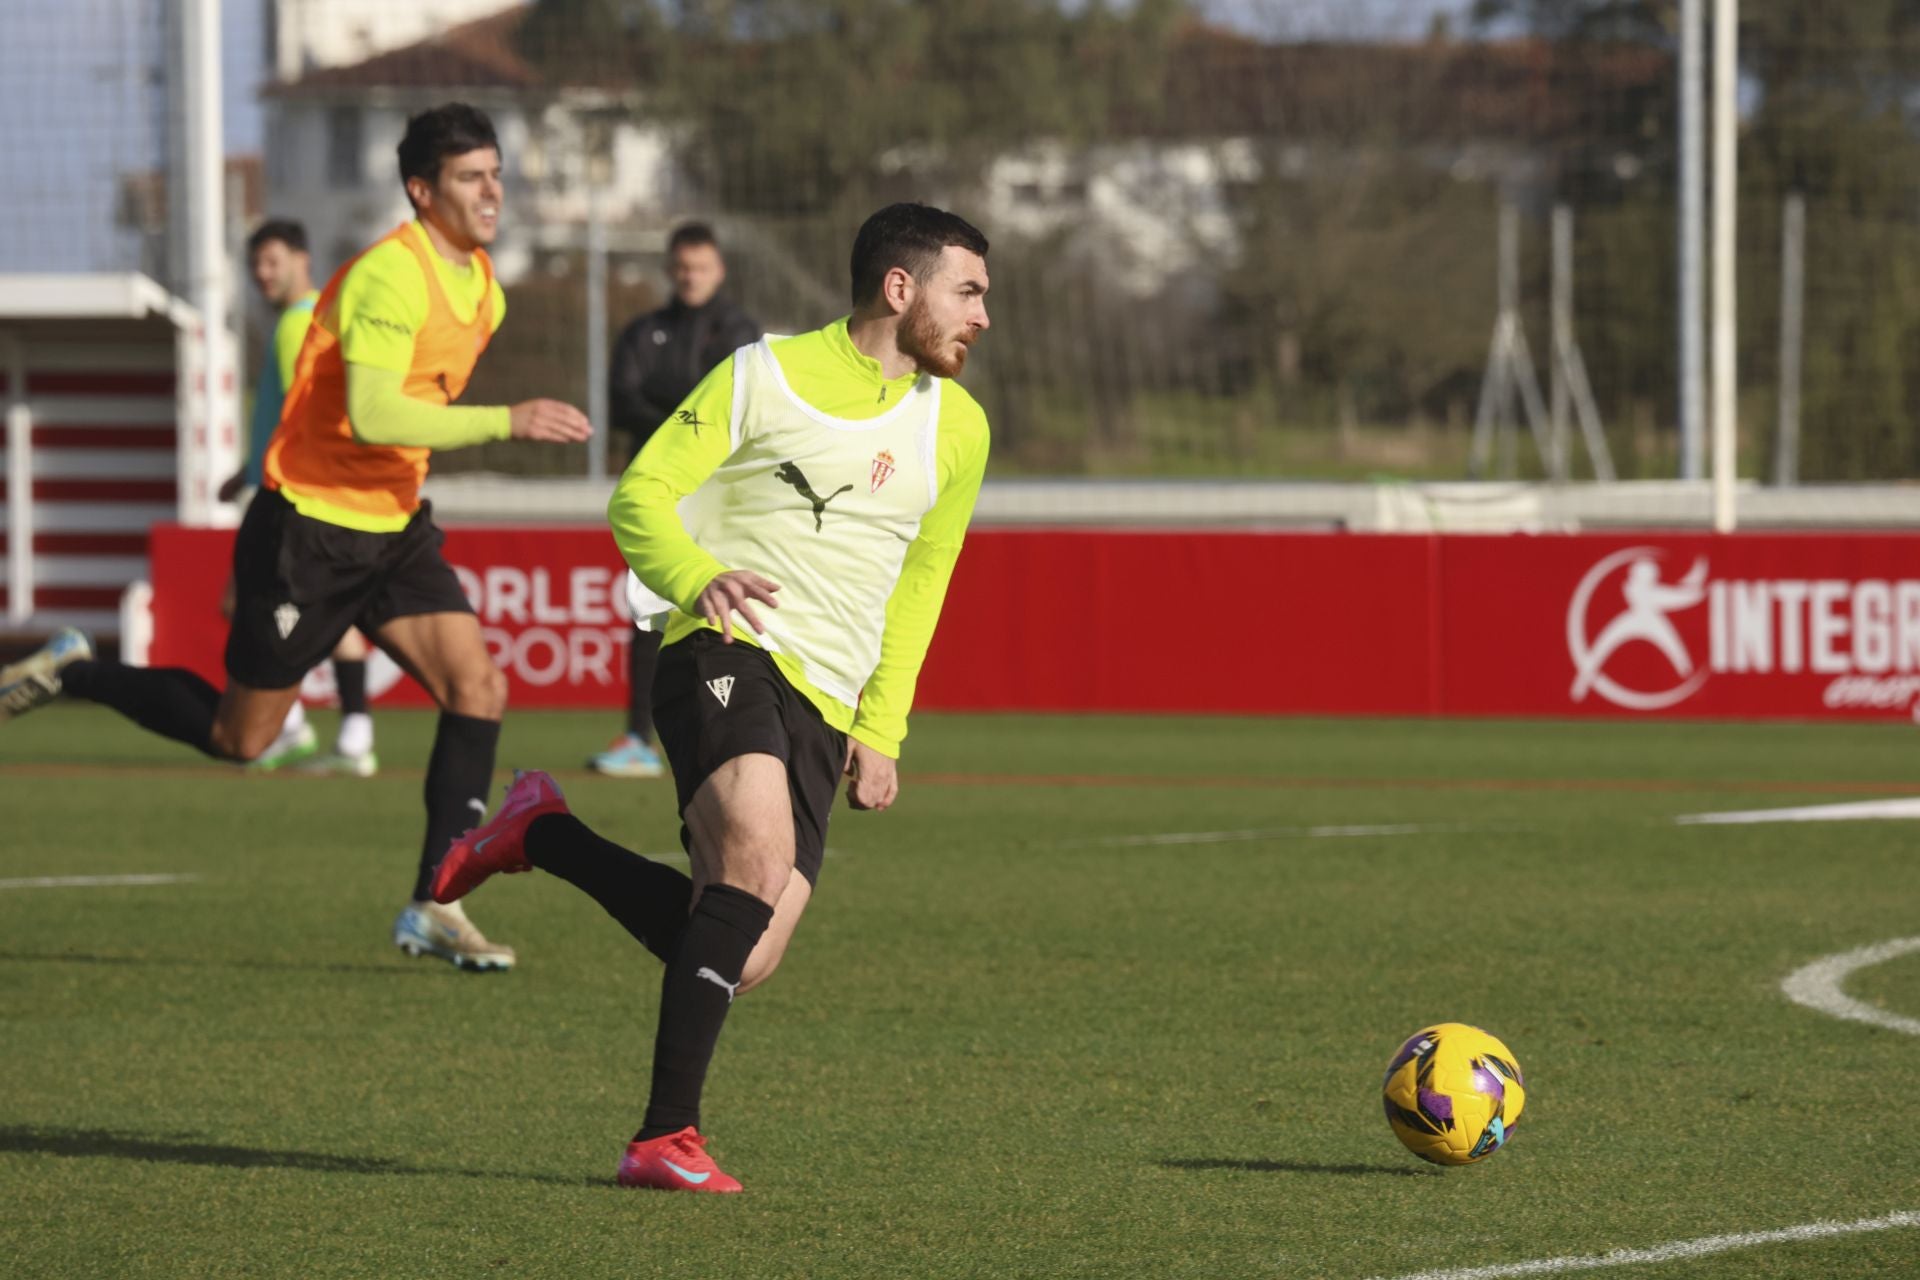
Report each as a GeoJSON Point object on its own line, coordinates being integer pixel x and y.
{"type": "Point", "coordinates": [209, 448]}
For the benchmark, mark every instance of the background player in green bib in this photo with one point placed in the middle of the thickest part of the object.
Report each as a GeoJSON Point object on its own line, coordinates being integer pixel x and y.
{"type": "Point", "coordinates": [797, 519]}
{"type": "Point", "coordinates": [282, 270]}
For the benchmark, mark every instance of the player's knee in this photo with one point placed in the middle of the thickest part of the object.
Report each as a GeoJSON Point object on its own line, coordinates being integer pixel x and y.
{"type": "Point", "coordinates": [772, 882]}
{"type": "Point", "coordinates": [767, 875]}
{"type": "Point", "coordinates": [480, 693]}
{"type": "Point", "coordinates": [227, 744]}
{"type": "Point", "coordinates": [761, 872]}
{"type": "Point", "coordinates": [241, 744]}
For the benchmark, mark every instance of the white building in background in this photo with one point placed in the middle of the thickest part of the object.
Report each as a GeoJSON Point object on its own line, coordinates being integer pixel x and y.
{"type": "Point", "coordinates": [1154, 211]}
{"type": "Point", "coordinates": [331, 135]}
{"type": "Point", "coordinates": [306, 35]}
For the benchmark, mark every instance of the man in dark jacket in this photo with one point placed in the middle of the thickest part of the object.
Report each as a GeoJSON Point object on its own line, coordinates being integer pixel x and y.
{"type": "Point", "coordinates": [657, 360]}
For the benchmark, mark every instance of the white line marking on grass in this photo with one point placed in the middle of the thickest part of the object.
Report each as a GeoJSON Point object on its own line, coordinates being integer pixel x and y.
{"type": "Point", "coordinates": [92, 882]}
{"type": "Point", "coordinates": [1297, 833]}
{"type": "Point", "coordinates": [1817, 985]}
{"type": "Point", "coordinates": [1858, 811]}
{"type": "Point", "coordinates": [1675, 1251]}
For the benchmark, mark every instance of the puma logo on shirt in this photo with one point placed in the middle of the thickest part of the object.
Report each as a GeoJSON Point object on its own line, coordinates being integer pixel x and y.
{"type": "Point", "coordinates": [793, 475]}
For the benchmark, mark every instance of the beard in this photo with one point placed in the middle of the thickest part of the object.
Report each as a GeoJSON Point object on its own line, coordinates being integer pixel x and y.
{"type": "Point", "coordinates": [921, 338]}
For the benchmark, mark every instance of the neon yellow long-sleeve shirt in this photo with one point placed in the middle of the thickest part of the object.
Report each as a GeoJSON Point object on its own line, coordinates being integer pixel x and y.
{"type": "Point", "coordinates": [734, 464]}
{"type": "Point", "coordinates": [383, 303]}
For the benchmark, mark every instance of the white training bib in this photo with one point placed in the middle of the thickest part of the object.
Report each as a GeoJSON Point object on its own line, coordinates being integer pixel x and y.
{"type": "Point", "coordinates": [826, 507]}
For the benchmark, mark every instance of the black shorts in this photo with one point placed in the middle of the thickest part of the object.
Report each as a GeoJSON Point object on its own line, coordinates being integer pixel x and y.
{"type": "Point", "coordinates": [299, 584]}
{"type": "Point", "coordinates": [714, 701]}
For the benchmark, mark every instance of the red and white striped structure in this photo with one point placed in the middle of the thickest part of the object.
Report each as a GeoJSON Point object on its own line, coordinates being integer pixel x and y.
{"type": "Point", "coordinates": [105, 405]}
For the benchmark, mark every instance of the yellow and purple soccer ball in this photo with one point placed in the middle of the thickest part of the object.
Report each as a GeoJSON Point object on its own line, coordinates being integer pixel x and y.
{"type": "Point", "coordinates": [1453, 1093]}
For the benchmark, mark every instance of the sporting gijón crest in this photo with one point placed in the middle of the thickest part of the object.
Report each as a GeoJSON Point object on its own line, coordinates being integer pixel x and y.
{"type": "Point", "coordinates": [882, 468]}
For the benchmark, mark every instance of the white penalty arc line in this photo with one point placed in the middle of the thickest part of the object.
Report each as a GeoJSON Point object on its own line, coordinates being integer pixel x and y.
{"type": "Point", "coordinates": [1817, 986]}
{"type": "Point", "coordinates": [92, 882]}
{"type": "Point", "coordinates": [1675, 1251]}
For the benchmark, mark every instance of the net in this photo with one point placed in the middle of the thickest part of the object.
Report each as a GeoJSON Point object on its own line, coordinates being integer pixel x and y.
{"type": "Point", "coordinates": [1249, 238]}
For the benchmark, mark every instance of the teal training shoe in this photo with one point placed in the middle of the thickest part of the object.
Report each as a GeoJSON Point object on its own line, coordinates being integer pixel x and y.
{"type": "Point", "coordinates": [627, 757]}
{"type": "Point", "coordinates": [34, 681]}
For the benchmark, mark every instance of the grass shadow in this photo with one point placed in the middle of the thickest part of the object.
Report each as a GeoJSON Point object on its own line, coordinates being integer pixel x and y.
{"type": "Point", "coordinates": [1305, 1166]}
{"type": "Point", "coordinates": [257, 966]}
{"type": "Point", "coordinates": [181, 1149]}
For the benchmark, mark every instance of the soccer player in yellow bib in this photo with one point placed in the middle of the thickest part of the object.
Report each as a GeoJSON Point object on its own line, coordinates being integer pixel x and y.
{"type": "Point", "coordinates": [338, 535]}
{"type": "Point", "coordinates": [798, 519]}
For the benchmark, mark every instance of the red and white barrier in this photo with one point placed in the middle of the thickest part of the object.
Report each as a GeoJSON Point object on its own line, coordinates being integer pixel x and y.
{"type": "Point", "coordinates": [1661, 625]}
{"type": "Point", "coordinates": [90, 376]}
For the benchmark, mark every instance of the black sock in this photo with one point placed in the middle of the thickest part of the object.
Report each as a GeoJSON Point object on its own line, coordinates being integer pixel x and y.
{"type": "Point", "coordinates": [459, 772]}
{"type": "Point", "coordinates": [694, 995]}
{"type": "Point", "coordinates": [170, 701]}
{"type": "Point", "coordinates": [350, 679]}
{"type": "Point", "coordinates": [643, 659]}
{"type": "Point", "coordinates": [649, 900]}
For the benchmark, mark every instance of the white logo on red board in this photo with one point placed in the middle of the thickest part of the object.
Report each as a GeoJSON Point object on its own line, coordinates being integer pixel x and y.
{"type": "Point", "coordinates": [1651, 603]}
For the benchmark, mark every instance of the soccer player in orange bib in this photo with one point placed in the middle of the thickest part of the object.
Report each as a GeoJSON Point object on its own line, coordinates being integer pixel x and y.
{"type": "Point", "coordinates": [338, 535]}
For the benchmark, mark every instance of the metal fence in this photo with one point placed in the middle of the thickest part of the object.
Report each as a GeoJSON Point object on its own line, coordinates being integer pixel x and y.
{"type": "Point", "coordinates": [1243, 238]}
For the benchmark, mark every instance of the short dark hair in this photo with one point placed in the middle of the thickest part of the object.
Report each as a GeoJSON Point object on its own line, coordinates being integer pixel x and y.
{"type": "Point", "coordinates": [909, 236]}
{"type": "Point", "coordinates": [285, 230]}
{"type": "Point", "coordinates": [449, 130]}
{"type": "Point", "coordinates": [690, 235]}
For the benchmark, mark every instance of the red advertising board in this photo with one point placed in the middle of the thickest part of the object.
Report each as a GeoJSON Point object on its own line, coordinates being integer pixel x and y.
{"type": "Point", "coordinates": [551, 602]}
{"type": "Point", "coordinates": [1063, 620]}
{"type": "Point", "coordinates": [1671, 625]}
{"type": "Point", "coordinates": [1761, 625]}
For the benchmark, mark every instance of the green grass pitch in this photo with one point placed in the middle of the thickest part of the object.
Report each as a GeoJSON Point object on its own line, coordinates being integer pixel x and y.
{"type": "Point", "coordinates": [1043, 1019]}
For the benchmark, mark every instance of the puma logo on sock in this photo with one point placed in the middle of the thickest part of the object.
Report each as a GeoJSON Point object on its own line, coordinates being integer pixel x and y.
{"type": "Point", "coordinates": [718, 981]}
